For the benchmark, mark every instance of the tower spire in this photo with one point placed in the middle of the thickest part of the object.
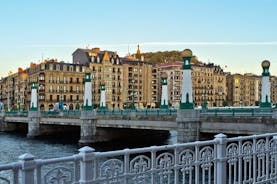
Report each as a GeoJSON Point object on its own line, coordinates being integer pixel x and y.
{"type": "Point", "coordinates": [138, 55]}
{"type": "Point", "coordinates": [138, 50]}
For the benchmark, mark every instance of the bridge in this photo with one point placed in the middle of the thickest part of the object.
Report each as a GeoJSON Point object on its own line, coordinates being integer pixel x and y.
{"type": "Point", "coordinates": [98, 126]}
{"type": "Point", "coordinates": [248, 159]}
{"type": "Point", "coordinates": [103, 125]}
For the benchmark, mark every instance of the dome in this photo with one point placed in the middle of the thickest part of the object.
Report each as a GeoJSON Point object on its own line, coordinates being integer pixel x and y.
{"type": "Point", "coordinates": [265, 64]}
{"type": "Point", "coordinates": [187, 53]}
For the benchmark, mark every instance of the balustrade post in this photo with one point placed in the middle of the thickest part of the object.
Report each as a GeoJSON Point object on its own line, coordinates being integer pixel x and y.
{"type": "Point", "coordinates": [86, 165]}
{"type": "Point", "coordinates": [221, 158]}
{"type": "Point", "coordinates": [274, 151]}
{"type": "Point", "coordinates": [27, 169]}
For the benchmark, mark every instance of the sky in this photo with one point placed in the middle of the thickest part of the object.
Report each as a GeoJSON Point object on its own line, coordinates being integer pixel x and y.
{"type": "Point", "coordinates": [235, 34]}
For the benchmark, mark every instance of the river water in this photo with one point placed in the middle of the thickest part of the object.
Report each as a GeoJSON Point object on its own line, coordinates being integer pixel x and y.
{"type": "Point", "coordinates": [13, 145]}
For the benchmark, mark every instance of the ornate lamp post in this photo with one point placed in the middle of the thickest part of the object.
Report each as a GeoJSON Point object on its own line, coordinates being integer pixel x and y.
{"type": "Point", "coordinates": [19, 103]}
{"type": "Point", "coordinates": [265, 96]}
{"type": "Point", "coordinates": [204, 104]}
{"type": "Point", "coordinates": [87, 96]}
{"type": "Point", "coordinates": [164, 96]}
{"type": "Point", "coordinates": [34, 102]}
{"type": "Point", "coordinates": [133, 95]}
{"type": "Point", "coordinates": [186, 97]}
{"type": "Point", "coordinates": [102, 96]}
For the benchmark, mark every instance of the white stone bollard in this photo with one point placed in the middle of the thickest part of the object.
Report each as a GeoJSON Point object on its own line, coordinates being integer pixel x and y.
{"type": "Point", "coordinates": [28, 166]}
{"type": "Point", "coordinates": [86, 165]}
{"type": "Point", "coordinates": [221, 158]}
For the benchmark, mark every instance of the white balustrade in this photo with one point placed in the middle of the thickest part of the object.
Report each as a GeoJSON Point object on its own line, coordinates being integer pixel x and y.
{"type": "Point", "coordinates": [248, 159]}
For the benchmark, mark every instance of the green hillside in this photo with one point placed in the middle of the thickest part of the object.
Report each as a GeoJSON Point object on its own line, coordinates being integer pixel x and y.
{"type": "Point", "coordinates": [165, 56]}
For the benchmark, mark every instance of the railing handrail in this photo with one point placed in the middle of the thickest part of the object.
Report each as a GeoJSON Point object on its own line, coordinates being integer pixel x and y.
{"type": "Point", "coordinates": [214, 156]}
{"type": "Point", "coordinates": [10, 166]}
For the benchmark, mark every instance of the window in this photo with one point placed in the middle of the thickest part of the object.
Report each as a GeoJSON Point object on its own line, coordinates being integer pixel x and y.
{"type": "Point", "coordinates": [51, 79]}
{"type": "Point", "coordinates": [41, 77]}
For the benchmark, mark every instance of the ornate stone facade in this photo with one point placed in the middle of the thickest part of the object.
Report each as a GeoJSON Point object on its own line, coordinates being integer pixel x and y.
{"type": "Point", "coordinates": [208, 81]}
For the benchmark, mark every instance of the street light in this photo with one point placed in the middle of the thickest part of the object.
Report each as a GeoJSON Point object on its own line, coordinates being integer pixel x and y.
{"type": "Point", "coordinates": [9, 78]}
{"type": "Point", "coordinates": [133, 95]}
{"type": "Point", "coordinates": [18, 103]}
{"type": "Point", "coordinates": [204, 105]}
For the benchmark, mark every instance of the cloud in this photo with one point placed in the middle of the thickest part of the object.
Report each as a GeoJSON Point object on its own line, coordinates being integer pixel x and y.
{"type": "Point", "coordinates": [192, 43]}
{"type": "Point", "coordinates": [210, 43]}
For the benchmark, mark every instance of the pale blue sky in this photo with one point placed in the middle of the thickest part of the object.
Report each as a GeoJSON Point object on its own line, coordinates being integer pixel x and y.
{"type": "Point", "coordinates": [236, 33]}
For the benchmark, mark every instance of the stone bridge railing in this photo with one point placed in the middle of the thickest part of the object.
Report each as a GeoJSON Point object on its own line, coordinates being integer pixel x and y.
{"type": "Point", "coordinates": [125, 112]}
{"type": "Point", "coordinates": [235, 112]}
{"type": "Point", "coordinates": [250, 159]}
{"type": "Point", "coordinates": [252, 112]}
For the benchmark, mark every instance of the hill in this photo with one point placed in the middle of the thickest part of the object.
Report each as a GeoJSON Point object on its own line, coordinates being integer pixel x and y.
{"type": "Point", "coordinates": [165, 56]}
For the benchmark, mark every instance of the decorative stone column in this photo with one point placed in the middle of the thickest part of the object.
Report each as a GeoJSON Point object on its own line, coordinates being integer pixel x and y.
{"type": "Point", "coordinates": [186, 93]}
{"type": "Point", "coordinates": [187, 117]}
{"type": "Point", "coordinates": [102, 96]}
{"type": "Point", "coordinates": [88, 116]}
{"type": "Point", "coordinates": [33, 114]}
{"type": "Point", "coordinates": [164, 97]}
{"type": "Point", "coordinates": [34, 97]}
{"type": "Point", "coordinates": [265, 95]}
{"type": "Point", "coordinates": [87, 104]}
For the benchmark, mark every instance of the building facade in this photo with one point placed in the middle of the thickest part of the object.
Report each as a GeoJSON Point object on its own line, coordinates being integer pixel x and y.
{"type": "Point", "coordinates": [126, 79]}
{"type": "Point", "coordinates": [243, 90]}
{"type": "Point", "coordinates": [208, 83]}
{"type": "Point", "coordinates": [273, 83]}
{"type": "Point", "coordinates": [57, 82]}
